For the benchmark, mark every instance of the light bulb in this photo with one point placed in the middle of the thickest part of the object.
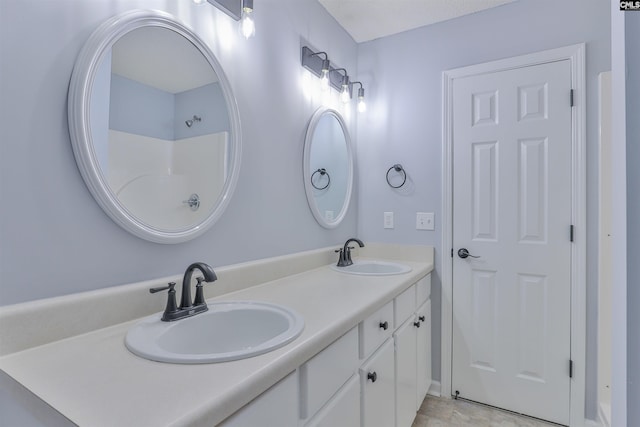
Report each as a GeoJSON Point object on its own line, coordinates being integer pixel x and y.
{"type": "Point", "coordinates": [324, 81]}
{"type": "Point", "coordinates": [345, 97]}
{"type": "Point", "coordinates": [247, 25]}
{"type": "Point", "coordinates": [362, 106]}
{"type": "Point", "coordinates": [198, 1]}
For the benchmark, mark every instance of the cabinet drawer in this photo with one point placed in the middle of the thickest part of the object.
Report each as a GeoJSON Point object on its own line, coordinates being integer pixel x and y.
{"type": "Point", "coordinates": [404, 305]}
{"type": "Point", "coordinates": [375, 329]}
{"type": "Point", "coordinates": [377, 379]}
{"type": "Point", "coordinates": [326, 372]}
{"type": "Point", "coordinates": [423, 289]}
{"type": "Point", "coordinates": [343, 409]}
{"type": "Point", "coordinates": [274, 407]}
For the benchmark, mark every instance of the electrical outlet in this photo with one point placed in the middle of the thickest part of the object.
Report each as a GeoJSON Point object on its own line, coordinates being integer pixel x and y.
{"type": "Point", "coordinates": [388, 220]}
{"type": "Point", "coordinates": [425, 221]}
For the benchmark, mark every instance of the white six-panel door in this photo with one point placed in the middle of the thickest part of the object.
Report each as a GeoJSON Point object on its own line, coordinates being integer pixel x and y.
{"type": "Point", "coordinates": [512, 209]}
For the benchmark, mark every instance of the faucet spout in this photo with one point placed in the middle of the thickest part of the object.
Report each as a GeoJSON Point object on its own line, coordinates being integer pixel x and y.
{"type": "Point", "coordinates": [209, 276]}
{"type": "Point", "coordinates": [345, 254]}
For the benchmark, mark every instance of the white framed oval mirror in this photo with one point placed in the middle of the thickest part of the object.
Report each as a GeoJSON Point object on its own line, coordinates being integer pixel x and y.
{"type": "Point", "coordinates": [328, 167]}
{"type": "Point", "coordinates": [154, 126]}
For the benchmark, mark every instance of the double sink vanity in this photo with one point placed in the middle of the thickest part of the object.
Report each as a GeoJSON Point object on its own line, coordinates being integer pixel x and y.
{"type": "Point", "coordinates": [350, 349]}
{"type": "Point", "coordinates": [294, 340]}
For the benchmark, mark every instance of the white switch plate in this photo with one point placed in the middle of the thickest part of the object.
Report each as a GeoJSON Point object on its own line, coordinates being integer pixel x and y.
{"type": "Point", "coordinates": [425, 221]}
{"type": "Point", "coordinates": [328, 215]}
{"type": "Point", "coordinates": [388, 220]}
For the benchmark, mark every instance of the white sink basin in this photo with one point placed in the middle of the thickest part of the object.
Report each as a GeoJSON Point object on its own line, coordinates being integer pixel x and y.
{"type": "Point", "coordinates": [229, 330]}
{"type": "Point", "coordinates": [373, 268]}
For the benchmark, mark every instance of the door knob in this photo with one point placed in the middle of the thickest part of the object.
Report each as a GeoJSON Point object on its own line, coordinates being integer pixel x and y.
{"type": "Point", "coordinates": [464, 253]}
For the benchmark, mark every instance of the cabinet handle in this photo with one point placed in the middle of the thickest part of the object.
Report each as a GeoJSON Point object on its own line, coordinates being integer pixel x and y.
{"type": "Point", "coordinates": [372, 376]}
{"type": "Point", "coordinates": [384, 325]}
{"type": "Point", "coordinates": [421, 318]}
{"type": "Point", "coordinates": [416, 324]}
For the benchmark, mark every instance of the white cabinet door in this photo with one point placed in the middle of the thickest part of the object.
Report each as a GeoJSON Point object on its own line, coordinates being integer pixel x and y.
{"type": "Point", "coordinates": [276, 407]}
{"type": "Point", "coordinates": [343, 409]}
{"type": "Point", "coordinates": [377, 381]}
{"type": "Point", "coordinates": [423, 374]}
{"type": "Point", "coordinates": [405, 369]}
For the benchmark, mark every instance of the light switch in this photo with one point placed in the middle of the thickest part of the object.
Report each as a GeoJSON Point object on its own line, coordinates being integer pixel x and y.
{"type": "Point", "coordinates": [388, 220]}
{"type": "Point", "coordinates": [328, 215]}
{"type": "Point", "coordinates": [425, 221]}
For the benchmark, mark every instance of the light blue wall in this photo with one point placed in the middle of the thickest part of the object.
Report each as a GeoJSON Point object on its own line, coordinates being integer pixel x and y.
{"type": "Point", "coordinates": [144, 110]}
{"type": "Point", "coordinates": [55, 239]}
{"type": "Point", "coordinates": [403, 77]}
{"type": "Point", "coordinates": [206, 102]}
{"type": "Point", "coordinates": [632, 26]}
{"type": "Point", "coordinates": [141, 109]}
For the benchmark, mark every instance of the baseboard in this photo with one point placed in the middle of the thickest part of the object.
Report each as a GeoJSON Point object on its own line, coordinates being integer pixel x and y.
{"type": "Point", "coordinates": [434, 389]}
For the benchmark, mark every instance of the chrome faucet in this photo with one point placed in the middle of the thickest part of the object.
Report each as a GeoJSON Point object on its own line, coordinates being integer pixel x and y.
{"type": "Point", "coordinates": [344, 258]}
{"type": "Point", "coordinates": [187, 309]}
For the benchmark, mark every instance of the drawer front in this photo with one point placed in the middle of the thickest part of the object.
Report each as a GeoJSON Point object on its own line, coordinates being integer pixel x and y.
{"type": "Point", "coordinates": [404, 305]}
{"type": "Point", "coordinates": [274, 407]}
{"type": "Point", "coordinates": [343, 409]}
{"type": "Point", "coordinates": [326, 372]}
{"type": "Point", "coordinates": [423, 289]}
{"type": "Point", "coordinates": [377, 379]}
{"type": "Point", "coordinates": [375, 329]}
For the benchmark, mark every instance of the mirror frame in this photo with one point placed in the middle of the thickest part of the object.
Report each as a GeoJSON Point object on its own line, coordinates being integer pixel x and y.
{"type": "Point", "coordinates": [79, 101]}
{"type": "Point", "coordinates": [306, 169]}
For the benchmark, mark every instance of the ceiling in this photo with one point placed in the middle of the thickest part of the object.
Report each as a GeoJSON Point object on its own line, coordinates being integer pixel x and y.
{"type": "Point", "coordinates": [371, 19]}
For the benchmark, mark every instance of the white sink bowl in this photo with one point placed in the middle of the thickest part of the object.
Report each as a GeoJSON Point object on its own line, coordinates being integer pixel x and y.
{"type": "Point", "coordinates": [229, 330]}
{"type": "Point", "coordinates": [373, 268]}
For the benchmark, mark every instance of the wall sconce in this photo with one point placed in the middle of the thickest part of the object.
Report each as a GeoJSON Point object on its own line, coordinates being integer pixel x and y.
{"type": "Point", "coordinates": [362, 106]}
{"type": "Point", "coordinates": [247, 24]}
{"type": "Point", "coordinates": [338, 78]}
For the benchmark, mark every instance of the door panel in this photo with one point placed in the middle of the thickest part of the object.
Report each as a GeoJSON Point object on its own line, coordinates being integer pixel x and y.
{"type": "Point", "coordinates": [512, 210]}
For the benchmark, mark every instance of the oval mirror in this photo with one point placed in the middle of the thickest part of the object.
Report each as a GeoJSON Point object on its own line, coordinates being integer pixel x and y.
{"type": "Point", "coordinates": [328, 167]}
{"type": "Point", "coordinates": [154, 126]}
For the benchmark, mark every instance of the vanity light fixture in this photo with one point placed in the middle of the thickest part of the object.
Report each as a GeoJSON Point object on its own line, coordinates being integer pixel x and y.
{"type": "Point", "coordinates": [362, 106]}
{"type": "Point", "coordinates": [336, 77]}
{"type": "Point", "coordinates": [239, 10]}
{"type": "Point", "coordinates": [247, 24]}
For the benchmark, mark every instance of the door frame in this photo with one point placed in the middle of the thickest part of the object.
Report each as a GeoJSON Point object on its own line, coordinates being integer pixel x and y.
{"type": "Point", "coordinates": [576, 55]}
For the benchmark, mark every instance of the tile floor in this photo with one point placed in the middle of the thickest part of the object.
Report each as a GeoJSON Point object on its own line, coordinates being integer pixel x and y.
{"type": "Point", "coordinates": [438, 412]}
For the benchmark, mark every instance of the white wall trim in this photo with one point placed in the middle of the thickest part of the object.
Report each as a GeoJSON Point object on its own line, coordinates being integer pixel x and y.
{"type": "Point", "coordinates": [576, 55]}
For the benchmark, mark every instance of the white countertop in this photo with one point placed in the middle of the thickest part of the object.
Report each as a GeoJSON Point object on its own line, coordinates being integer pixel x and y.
{"type": "Point", "coordinates": [93, 380]}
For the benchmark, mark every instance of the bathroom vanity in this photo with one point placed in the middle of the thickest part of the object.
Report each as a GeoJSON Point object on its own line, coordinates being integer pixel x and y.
{"type": "Point", "coordinates": [363, 358]}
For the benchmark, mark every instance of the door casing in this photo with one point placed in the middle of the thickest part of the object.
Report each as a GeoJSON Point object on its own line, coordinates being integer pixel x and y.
{"type": "Point", "coordinates": [576, 55]}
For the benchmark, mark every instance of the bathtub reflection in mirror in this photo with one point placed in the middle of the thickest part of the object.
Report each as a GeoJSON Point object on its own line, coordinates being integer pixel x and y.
{"type": "Point", "coordinates": [157, 137]}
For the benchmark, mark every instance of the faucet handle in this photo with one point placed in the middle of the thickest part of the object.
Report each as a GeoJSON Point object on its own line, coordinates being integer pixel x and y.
{"type": "Point", "coordinates": [171, 307]}
{"type": "Point", "coordinates": [199, 298]}
{"type": "Point", "coordinates": [169, 286]}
